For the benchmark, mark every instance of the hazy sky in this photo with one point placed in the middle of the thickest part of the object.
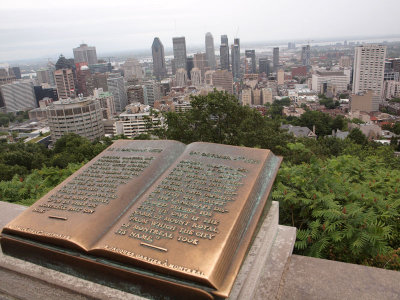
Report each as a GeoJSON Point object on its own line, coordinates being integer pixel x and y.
{"type": "Point", "coordinates": [45, 28]}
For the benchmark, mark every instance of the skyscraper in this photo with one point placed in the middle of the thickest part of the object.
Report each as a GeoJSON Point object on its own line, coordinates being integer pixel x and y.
{"type": "Point", "coordinates": [179, 47]}
{"type": "Point", "coordinates": [235, 51]}
{"type": "Point", "coordinates": [275, 58]}
{"type": "Point", "coordinates": [263, 67]}
{"type": "Point", "coordinates": [368, 71]}
{"type": "Point", "coordinates": [65, 83]}
{"type": "Point", "coordinates": [251, 65]}
{"type": "Point", "coordinates": [189, 65]}
{"type": "Point", "coordinates": [159, 68]}
{"type": "Point", "coordinates": [224, 53]}
{"type": "Point", "coordinates": [83, 53]}
{"type": "Point", "coordinates": [116, 87]}
{"type": "Point", "coordinates": [210, 51]}
{"type": "Point", "coordinates": [305, 55]}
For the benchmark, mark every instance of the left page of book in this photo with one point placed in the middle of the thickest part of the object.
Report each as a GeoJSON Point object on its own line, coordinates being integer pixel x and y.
{"type": "Point", "coordinates": [83, 207]}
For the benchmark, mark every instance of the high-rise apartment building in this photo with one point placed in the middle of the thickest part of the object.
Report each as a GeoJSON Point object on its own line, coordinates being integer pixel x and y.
{"type": "Point", "coordinates": [210, 51]}
{"type": "Point", "coordinates": [275, 58]}
{"type": "Point", "coordinates": [180, 58]}
{"type": "Point", "coordinates": [84, 80]}
{"type": "Point", "coordinates": [152, 92]}
{"type": "Point", "coordinates": [235, 51]}
{"type": "Point", "coordinates": [159, 67]}
{"type": "Point", "coordinates": [223, 79]}
{"type": "Point", "coordinates": [84, 53]}
{"type": "Point", "coordinates": [305, 55]}
{"type": "Point", "coordinates": [116, 87]}
{"type": "Point", "coordinates": [251, 66]}
{"type": "Point", "coordinates": [224, 53]}
{"type": "Point", "coordinates": [65, 83]}
{"type": "Point", "coordinates": [264, 66]}
{"type": "Point", "coordinates": [18, 95]}
{"type": "Point", "coordinates": [82, 116]}
{"type": "Point", "coordinates": [368, 71]}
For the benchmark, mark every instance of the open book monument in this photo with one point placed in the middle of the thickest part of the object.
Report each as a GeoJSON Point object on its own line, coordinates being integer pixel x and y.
{"type": "Point", "coordinates": [158, 218]}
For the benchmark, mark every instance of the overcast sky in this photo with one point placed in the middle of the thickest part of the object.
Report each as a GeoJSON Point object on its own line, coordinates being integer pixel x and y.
{"type": "Point", "coordinates": [45, 28]}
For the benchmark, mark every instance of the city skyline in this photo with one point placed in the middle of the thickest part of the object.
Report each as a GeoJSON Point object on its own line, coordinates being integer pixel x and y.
{"type": "Point", "coordinates": [133, 26]}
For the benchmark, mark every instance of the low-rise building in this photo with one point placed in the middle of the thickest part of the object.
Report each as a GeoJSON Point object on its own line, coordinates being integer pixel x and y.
{"type": "Point", "coordinates": [136, 119]}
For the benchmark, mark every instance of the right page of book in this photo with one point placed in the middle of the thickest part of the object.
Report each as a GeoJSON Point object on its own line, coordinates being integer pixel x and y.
{"type": "Point", "coordinates": [192, 222]}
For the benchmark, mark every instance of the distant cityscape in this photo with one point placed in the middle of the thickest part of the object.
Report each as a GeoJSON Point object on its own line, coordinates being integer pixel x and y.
{"type": "Point", "coordinates": [110, 96]}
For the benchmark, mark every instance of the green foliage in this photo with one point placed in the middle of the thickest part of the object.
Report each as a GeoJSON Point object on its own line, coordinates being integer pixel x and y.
{"type": "Point", "coordinates": [324, 124]}
{"type": "Point", "coordinates": [394, 100]}
{"type": "Point", "coordinates": [357, 136]}
{"type": "Point", "coordinates": [27, 190]}
{"type": "Point", "coordinates": [357, 121]}
{"type": "Point", "coordinates": [329, 103]}
{"type": "Point", "coordinates": [219, 118]}
{"type": "Point", "coordinates": [345, 208]}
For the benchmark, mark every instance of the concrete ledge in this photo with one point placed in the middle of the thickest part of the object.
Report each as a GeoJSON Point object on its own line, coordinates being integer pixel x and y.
{"type": "Point", "coordinates": [313, 278]}
{"type": "Point", "coordinates": [273, 270]}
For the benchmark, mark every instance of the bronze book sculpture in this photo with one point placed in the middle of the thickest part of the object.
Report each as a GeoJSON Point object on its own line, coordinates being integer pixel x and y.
{"type": "Point", "coordinates": [157, 217]}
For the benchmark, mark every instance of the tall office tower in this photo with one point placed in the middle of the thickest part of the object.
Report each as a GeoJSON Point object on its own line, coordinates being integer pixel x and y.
{"type": "Point", "coordinates": [116, 87]}
{"type": "Point", "coordinates": [251, 65]}
{"type": "Point", "coordinates": [264, 66]}
{"type": "Point", "coordinates": [275, 59]}
{"type": "Point", "coordinates": [180, 58]}
{"type": "Point", "coordinates": [65, 83]}
{"type": "Point", "coordinates": [305, 55]}
{"type": "Point", "coordinates": [17, 72]}
{"type": "Point", "coordinates": [210, 51]}
{"type": "Point", "coordinates": [200, 61]}
{"type": "Point", "coordinates": [224, 53]}
{"type": "Point", "coordinates": [159, 67]}
{"type": "Point", "coordinates": [135, 94]}
{"type": "Point", "coordinates": [83, 53]}
{"type": "Point", "coordinates": [82, 116]}
{"type": "Point", "coordinates": [195, 75]}
{"type": "Point", "coordinates": [19, 95]}
{"type": "Point", "coordinates": [132, 69]}
{"type": "Point", "coordinates": [223, 79]}
{"type": "Point", "coordinates": [152, 92]}
{"type": "Point", "coordinates": [235, 52]}
{"type": "Point", "coordinates": [224, 39]}
{"type": "Point", "coordinates": [190, 66]}
{"type": "Point", "coordinates": [368, 71]}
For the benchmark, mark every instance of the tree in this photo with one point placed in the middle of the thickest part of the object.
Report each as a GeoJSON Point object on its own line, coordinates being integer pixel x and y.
{"type": "Point", "coordinates": [357, 136]}
{"type": "Point", "coordinates": [344, 208]}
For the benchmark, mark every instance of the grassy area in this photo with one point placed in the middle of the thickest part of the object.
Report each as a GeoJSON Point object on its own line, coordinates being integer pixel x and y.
{"type": "Point", "coordinates": [38, 138]}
